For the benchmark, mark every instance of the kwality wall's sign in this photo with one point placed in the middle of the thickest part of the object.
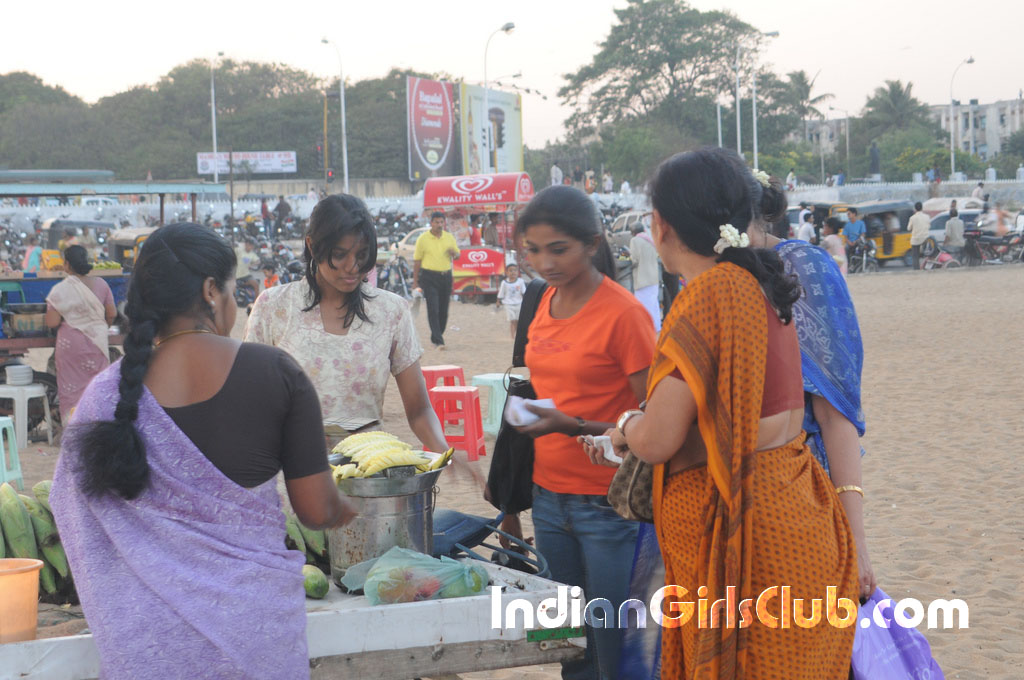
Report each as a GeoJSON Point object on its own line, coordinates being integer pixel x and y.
{"type": "Point", "coordinates": [479, 261]}
{"type": "Point", "coordinates": [477, 190]}
{"type": "Point", "coordinates": [430, 116]}
{"type": "Point", "coordinates": [245, 162]}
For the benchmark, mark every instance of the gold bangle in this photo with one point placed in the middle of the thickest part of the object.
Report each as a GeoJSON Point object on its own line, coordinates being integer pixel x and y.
{"type": "Point", "coordinates": [850, 487]}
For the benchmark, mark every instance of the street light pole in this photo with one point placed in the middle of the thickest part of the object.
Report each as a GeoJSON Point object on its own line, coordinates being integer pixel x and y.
{"type": "Point", "coordinates": [739, 150]}
{"type": "Point", "coordinates": [213, 117]}
{"type": "Point", "coordinates": [753, 98]}
{"type": "Point", "coordinates": [952, 141]}
{"type": "Point", "coordinates": [846, 124]}
{"type": "Point", "coordinates": [341, 97]}
{"type": "Point", "coordinates": [507, 28]}
{"type": "Point", "coordinates": [718, 111]}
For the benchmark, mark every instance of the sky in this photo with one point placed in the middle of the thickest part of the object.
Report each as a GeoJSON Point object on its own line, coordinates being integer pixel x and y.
{"type": "Point", "coordinates": [103, 47]}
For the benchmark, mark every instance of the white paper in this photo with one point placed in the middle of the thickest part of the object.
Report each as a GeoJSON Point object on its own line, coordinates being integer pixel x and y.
{"type": "Point", "coordinates": [516, 413]}
{"type": "Point", "coordinates": [605, 444]}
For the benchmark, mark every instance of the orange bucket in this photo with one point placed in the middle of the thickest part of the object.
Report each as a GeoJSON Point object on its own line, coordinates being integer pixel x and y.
{"type": "Point", "coordinates": [19, 599]}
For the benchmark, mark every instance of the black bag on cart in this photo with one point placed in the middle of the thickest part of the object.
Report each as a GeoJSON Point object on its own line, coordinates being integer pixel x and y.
{"type": "Point", "coordinates": [510, 479]}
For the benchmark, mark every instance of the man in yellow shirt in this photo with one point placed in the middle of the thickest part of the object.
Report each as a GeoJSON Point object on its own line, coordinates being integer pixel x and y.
{"type": "Point", "coordinates": [432, 273]}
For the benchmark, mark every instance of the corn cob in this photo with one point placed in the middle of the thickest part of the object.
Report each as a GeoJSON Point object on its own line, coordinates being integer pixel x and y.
{"type": "Point", "coordinates": [17, 524]}
{"type": "Point", "coordinates": [350, 444]}
{"type": "Point", "coordinates": [442, 460]}
{"type": "Point", "coordinates": [388, 459]}
{"type": "Point", "coordinates": [42, 493]}
{"type": "Point", "coordinates": [363, 454]}
{"type": "Point", "coordinates": [295, 534]}
{"type": "Point", "coordinates": [47, 538]}
{"type": "Point", "coordinates": [48, 579]}
{"type": "Point", "coordinates": [315, 541]}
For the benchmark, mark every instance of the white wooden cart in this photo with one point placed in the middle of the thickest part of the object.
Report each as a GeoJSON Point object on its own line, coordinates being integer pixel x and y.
{"type": "Point", "coordinates": [349, 638]}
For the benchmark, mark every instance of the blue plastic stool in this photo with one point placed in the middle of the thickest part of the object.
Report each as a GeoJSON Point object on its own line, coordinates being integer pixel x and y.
{"type": "Point", "coordinates": [10, 471]}
{"type": "Point", "coordinates": [495, 399]}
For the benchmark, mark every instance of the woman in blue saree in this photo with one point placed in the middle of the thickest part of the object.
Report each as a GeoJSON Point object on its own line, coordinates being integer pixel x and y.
{"type": "Point", "coordinates": [832, 356]}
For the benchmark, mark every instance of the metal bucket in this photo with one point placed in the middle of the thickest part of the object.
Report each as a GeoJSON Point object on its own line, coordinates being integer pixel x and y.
{"type": "Point", "coordinates": [392, 512]}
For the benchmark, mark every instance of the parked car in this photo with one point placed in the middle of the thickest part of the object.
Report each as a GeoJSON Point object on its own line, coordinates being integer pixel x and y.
{"type": "Point", "coordinates": [937, 233]}
{"type": "Point", "coordinates": [406, 247]}
{"type": "Point", "coordinates": [621, 231]}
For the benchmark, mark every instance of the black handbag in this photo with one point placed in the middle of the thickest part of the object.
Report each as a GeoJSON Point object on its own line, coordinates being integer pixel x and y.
{"type": "Point", "coordinates": [510, 479]}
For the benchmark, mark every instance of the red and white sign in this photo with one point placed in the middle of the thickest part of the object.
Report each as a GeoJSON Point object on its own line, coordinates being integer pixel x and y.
{"type": "Point", "coordinates": [479, 262]}
{"type": "Point", "coordinates": [477, 191]}
{"type": "Point", "coordinates": [430, 112]}
{"type": "Point", "coordinates": [246, 162]}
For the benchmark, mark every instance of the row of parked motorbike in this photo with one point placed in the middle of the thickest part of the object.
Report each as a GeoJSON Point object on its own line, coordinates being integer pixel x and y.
{"type": "Point", "coordinates": [980, 247]}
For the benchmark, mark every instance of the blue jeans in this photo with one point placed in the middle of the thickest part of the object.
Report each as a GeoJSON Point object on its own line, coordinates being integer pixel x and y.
{"type": "Point", "coordinates": [587, 544]}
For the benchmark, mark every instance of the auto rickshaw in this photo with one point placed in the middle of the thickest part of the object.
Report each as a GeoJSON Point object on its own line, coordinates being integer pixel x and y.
{"type": "Point", "coordinates": [124, 245]}
{"type": "Point", "coordinates": [886, 224]}
{"type": "Point", "coordinates": [89, 234]}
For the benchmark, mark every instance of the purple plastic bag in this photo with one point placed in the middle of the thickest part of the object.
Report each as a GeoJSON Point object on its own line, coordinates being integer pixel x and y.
{"type": "Point", "coordinates": [889, 651]}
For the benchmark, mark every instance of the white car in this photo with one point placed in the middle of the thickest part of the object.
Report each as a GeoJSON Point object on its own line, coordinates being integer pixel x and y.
{"type": "Point", "coordinates": [406, 247]}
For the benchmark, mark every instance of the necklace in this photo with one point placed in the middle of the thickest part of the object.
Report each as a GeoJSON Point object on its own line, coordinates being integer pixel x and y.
{"type": "Point", "coordinates": [185, 332]}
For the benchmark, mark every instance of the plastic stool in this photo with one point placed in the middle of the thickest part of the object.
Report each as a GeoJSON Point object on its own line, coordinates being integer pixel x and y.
{"type": "Point", "coordinates": [448, 374]}
{"type": "Point", "coordinates": [10, 471]}
{"type": "Point", "coordinates": [21, 395]}
{"type": "Point", "coordinates": [495, 382]}
{"type": "Point", "coordinates": [455, 403]}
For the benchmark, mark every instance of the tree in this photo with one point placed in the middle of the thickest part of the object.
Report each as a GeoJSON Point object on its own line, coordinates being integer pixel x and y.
{"type": "Point", "coordinates": [893, 107]}
{"type": "Point", "coordinates": [658, 56]}
{"type": "Point", "coordinates": [801, 102]}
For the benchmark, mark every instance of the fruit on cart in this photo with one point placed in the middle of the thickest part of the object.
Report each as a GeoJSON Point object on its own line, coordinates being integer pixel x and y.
{"type": "Point", "coordinates": [294, 540]}
{"type": "Point", "coordinates": [316, 541]}
{"type": "Point", "coordinates": [369, 453]}
{"type": "Point", "coordinates": [315, 582]}
{"type": "Point", "coordinates": [48, 579]}
{"type": "Point", "coordinates": [17, 524]}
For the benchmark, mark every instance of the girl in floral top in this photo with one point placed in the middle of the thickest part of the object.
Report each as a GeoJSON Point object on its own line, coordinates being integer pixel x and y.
{"type": "Point", "coordinates": [347, 336]}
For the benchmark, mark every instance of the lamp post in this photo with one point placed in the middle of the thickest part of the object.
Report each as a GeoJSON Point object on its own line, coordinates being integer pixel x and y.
{"type": "Point", "coordinates": [754, 100]}
{"type": "Point", "coordinates": [738, 100]}
{"type": "Point", "coordinates": [213, 117]}
{"type": "Point", "coordinates": [952, 141]}
{"type": "Point", "coordinates": [846, 124]}
{"type": "Point", "coordinates": [506, 28]}
{"type": "Point", "coordinates": [341, 96]}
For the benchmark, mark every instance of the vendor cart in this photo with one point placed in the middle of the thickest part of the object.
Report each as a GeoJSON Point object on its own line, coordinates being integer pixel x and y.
{"type": "Point", "coordinates": [349, 638]}
{"type": "Point", "coordinates": [496, 198]}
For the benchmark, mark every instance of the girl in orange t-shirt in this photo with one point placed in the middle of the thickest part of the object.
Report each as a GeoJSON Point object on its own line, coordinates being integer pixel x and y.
{"type": "Point", "coordinates": [590, 345]}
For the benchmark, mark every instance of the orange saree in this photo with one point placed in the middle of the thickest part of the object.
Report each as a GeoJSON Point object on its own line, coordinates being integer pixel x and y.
{"type": "Point", "coordinates": [747, 521]}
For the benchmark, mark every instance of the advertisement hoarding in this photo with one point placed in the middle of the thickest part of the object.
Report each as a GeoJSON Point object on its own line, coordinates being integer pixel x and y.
{"type": "Point", "coordinates": [504, 120]}
{"type": "Point", "coordinates": [255, 162]}
{"type": "Point", "coordinates": [430, 121]}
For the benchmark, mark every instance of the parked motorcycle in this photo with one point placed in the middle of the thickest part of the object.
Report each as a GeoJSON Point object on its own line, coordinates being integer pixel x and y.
{"type": "Point", "coordinates": [860, 256]}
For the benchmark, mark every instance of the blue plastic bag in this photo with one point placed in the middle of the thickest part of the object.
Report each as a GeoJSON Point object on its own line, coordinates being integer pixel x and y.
{"type": "Point", "coordinates": [890, 651]}
{"type": "Point", "coordinates": [401, 575]}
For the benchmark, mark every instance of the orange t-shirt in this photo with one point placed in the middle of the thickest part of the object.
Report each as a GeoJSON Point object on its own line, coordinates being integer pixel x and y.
{"type": "Point", "coordinates": [583, 363]}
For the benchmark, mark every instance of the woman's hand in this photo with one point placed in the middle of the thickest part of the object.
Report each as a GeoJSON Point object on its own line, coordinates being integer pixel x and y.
{"type": "Point", "coordinates": [866, 580]}
{"type": "Point", "coordinates": [596, 453]}
{"type": "Point", "coordinates": [618, 441]}
{"type": "Point", "coordinates": [551, 420]}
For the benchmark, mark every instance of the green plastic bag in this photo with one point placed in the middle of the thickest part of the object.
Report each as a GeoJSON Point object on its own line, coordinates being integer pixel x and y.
{"type": "Point", "coordinates": [402, 575]}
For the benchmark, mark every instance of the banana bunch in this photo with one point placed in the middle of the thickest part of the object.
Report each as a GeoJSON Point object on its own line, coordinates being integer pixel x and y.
{"type": "Point", "coordinates": [29, 531]}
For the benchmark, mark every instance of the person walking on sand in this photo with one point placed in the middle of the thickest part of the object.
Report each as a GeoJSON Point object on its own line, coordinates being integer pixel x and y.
{"type": "Point", "coordinates": [919, 226]}
{"type": "Point", "coordinates": [432, 273]}
{"type": "Point", "coordinates": [510, 296]}
{"type": "Point", "coordinates": [646, 272]}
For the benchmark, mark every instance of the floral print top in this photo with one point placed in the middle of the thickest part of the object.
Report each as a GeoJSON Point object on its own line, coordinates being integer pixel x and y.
{"type": "Point", "coordinates": [350, 372]}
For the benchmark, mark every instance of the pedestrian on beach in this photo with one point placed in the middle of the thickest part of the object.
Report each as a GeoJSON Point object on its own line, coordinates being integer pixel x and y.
{"type": "Point", "coordinates": [833, 243]}
{"type": "Point", "coordinates": [33, 256]}
{"type": "Point", "coordinates": [348, 336]}
{"type": "Point", "coordinates": [165, 491]}
{"type": "Point", "coordinates": [979, 191]}
{"type": "Point", "coordinates": [590, 344]}
{"type": "Point", "coordinates": [436, 250]}
{"type": "Point", "coordinates": [510, 296]}
{"type": "Point", "coordinates": [919, 226]}
{"type": "Point", "coordinates": [81, 308]}
{"type": "Point", "coordinates": [723, 427]}
{"type": "Point", "coordinates": [854, 227]}
{"type": "Point", "coordinates": [556, 174]}
{"type": "Point", "coordinates": [646, 272]}
{"type": "Point", "coordinates": [806, 230]}
{"type": "Point", "coordinates": [791, 180]}
{"type": "Point", "coordinates": [270, 277]}
{"type": "Point", "coordinates": [607, 184]}
{"type": "Point", "coordinates": [954, 239]}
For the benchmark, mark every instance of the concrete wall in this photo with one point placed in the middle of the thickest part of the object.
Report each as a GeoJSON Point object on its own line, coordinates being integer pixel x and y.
{"type": "Point", "coordinates": [365, 188]}
{"type": "Point", "coordinates": [1008, 192]}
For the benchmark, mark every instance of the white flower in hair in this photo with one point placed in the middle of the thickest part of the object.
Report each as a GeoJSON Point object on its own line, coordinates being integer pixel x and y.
{"type": "Point", "coordinates": [763, 178]}
{"type": "Point", "coordinates": [730, 238]}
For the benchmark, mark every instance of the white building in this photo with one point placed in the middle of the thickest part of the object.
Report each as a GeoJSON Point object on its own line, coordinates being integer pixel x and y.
{"type": "Point", "coordinates": [981, 128]}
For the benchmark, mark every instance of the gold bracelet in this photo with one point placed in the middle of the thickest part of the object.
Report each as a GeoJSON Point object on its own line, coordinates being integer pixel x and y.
{"type": "Point", "coordinates": [850, 487]}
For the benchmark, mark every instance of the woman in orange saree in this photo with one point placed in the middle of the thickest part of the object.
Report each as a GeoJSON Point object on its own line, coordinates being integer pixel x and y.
{"type": "Point", "coordinates": [740, 505]}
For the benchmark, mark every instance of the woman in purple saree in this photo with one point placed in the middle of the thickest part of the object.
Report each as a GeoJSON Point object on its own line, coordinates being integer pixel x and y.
{"type": "Point", "coordinates": [165, 491]}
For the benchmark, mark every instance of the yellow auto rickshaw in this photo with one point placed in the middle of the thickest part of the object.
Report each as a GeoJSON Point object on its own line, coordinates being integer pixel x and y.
{"type": "Point", "coordinates": [124, 245]}
{"type": "Point", "coordinates": [886, 225]}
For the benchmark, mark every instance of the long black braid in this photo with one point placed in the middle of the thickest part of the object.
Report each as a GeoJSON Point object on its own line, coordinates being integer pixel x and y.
{"type": "Point", "coordinates": [167, 282]}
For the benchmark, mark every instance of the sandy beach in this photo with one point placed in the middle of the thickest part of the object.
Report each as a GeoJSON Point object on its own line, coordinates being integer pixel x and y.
{"type": "Point", "coordinates": [942, 384]}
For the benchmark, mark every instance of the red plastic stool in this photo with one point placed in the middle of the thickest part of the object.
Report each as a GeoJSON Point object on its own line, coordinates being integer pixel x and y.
{"type": "Point", "coordinates": [461, 403]}
{"type": "Point", "coordinates": [447, 374]}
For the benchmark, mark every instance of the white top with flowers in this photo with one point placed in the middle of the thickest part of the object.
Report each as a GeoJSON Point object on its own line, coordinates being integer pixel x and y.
{"type": "Point", "coordinates": [350, 372]}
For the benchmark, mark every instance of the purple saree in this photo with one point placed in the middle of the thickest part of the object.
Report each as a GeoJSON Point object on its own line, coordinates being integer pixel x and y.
{"type": "Point", "coordinates": [189, 580]}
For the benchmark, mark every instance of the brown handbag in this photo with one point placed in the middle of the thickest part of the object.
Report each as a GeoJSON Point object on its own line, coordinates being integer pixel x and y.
{"type": "Point", "coordinates": [632, 489]}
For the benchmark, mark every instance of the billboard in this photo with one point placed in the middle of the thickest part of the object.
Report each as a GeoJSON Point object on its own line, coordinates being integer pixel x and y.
{"type": "Point", "coordinates": [504, 122]}
{"type": "Point", "coordinates": [257, 162]}
{"type": "Point", "coordinates": [430, 120]}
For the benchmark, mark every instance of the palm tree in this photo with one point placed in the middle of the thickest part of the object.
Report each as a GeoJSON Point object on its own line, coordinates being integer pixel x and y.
{"type": "Point", "coordinates": [893, 107]}
{"type": "Point", "coordinates": [801, 101]}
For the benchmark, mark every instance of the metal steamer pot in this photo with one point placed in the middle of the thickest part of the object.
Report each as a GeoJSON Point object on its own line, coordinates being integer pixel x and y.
{"type": "Point", "coordinates": [395, 511]}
